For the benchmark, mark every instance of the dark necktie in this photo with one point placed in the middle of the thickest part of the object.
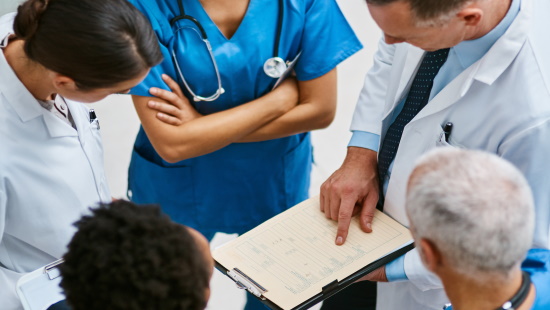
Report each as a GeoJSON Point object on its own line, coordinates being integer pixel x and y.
{"type": "Point", "coordinates": [418, 97]}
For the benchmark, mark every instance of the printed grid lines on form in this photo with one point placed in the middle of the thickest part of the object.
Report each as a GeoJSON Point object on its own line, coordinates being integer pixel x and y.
{"type": "Point", "coordinates": [287, 249]}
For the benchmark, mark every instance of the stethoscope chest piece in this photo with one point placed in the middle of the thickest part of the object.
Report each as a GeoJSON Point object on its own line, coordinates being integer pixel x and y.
{"type": "Point", "coordinates": [275, 67]}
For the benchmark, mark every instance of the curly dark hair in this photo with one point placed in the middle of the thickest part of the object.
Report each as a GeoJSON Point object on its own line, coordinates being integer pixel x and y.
{"type": "Point", "coordinates": [126, 257]}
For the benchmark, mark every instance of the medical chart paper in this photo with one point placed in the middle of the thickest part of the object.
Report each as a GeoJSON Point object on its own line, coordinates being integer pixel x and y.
{"type": "Point", "coordinates": [293, 255]}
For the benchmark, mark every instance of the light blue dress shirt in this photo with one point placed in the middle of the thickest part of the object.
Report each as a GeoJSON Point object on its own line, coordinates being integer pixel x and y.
{"type": "Point", "coordinates": [460, 58]}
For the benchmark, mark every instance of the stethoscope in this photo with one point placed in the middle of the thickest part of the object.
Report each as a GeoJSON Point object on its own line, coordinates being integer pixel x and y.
{"type": "Point", "coordinates": [518, 298]}
{"type": "Point", "coordinates": [274, 67]}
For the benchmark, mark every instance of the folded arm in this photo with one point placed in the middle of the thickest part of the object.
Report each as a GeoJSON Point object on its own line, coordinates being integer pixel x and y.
{"type": "Point", "coordinates": [202, 134]}
{"type": "Point", "coordinates": [177, 131]}
{"type": "Point", "coordinates": [316, 110]}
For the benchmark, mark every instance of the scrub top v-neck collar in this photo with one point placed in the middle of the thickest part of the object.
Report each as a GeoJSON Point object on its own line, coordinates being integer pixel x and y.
{"type": "Point", "coordinates": [212, 27]}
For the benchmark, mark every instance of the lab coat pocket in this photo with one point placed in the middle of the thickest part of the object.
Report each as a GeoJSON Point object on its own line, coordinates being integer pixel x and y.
{"type": "Point", "coordinates": [297, 168]}
{"type": "Point", "coordinates": [95, 125]}
{"type": "Point", "coordinates": [446, 139]}
{"type": "Point", "coordinates": [441, 141]}
{"type": "Point", "coordinates": [170, 186]}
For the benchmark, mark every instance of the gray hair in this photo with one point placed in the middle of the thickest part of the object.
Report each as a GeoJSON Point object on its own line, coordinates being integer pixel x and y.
{"type": "Point", "coordinates": [475, 207]}
{"type": "Point", "coordinates": [430, 12]}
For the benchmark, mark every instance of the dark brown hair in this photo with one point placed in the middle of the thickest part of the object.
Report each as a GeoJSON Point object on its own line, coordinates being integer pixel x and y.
{"type": "Point", "coordinates": [97, 43]}
{"type": "Point", "coordinates": [427, 9]}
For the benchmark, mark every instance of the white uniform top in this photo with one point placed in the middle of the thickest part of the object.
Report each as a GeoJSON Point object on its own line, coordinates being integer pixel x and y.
{"type": "Point", "coordinates": [50, 174]}
{"type": "Point", "coordinates": [500, 104]}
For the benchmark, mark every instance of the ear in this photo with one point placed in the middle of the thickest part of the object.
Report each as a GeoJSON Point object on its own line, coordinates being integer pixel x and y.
{"type": "Point", "coordinates": [470, 15]}
{"type": "Point", "coordinates": [64, 82]}
{"type": "Point", "coordinates": [207, 294]}
{"type": "Point", "coordinates": [430, 254]}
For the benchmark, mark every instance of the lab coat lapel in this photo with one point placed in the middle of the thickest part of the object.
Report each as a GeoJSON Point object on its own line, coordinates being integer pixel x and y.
{"type": "Point", "coordinates": [409, 67]}
{"type": "Point", "coordinates": [81, 121]}
{"type": "Point", "coordinates": [90, 141]}
{"type": "Point", "coordinates": [56, 127]}
{"type": "Point", "coordinates": [450, 94]}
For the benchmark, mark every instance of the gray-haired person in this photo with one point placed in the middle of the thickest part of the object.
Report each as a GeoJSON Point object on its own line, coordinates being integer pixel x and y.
{"type": "Point", "coordinates": [472, 216]}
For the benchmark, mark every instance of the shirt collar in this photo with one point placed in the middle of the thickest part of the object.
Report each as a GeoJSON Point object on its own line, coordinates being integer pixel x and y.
{"type": "Point", "coordinates": [16, 94]}
{"type": "Point", "coordinates": [468, 52]}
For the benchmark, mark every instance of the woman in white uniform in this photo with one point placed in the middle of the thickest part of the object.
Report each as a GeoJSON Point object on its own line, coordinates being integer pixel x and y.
{"type": "Point", "coordinates": [51, 160]}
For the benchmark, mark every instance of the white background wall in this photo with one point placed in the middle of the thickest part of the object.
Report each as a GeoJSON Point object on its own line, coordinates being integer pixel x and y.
{"type": "Point", "coordinates": [119, 125]}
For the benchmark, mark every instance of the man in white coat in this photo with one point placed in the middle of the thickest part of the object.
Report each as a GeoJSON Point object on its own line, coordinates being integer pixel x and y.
{"type": "Point", "coordinates": [467, 73]}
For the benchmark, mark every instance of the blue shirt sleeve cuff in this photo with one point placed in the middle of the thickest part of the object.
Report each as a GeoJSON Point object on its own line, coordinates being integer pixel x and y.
{"type": "Point", "coordinates": [395, 271]}
{"type": "Point", "coordinates": [366, 140]}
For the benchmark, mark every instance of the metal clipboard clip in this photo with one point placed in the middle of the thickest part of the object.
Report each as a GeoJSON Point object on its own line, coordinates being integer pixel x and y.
{"type": "Point", "coordinates": [244, 282]}
{"type": "Point", "coordinates": [52, 271]}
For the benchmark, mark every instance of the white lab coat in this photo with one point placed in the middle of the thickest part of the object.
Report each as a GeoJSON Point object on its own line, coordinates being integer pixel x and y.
{"type": "Point", "coordinates": [500, 104]}
{"type": "Point", "coordinates": [50, 174]}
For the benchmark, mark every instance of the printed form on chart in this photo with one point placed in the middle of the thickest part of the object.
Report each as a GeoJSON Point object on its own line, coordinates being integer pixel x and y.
{"type": "Point", "coordinates": [293, 255]}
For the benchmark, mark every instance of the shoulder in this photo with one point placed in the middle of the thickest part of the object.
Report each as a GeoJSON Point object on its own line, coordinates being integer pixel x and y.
{"type": "Point", "coordinates": [308, 6]}
{"type": "Point", "coordinates": [150, 8]}
{"type": "Point", "coordinates": [144, 5]}
{"type": "Point", "coordinates": [159, 13]}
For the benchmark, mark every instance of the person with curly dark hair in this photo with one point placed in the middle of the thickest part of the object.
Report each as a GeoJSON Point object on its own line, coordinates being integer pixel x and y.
{"type": "Point", "coordinates": [126, 257]}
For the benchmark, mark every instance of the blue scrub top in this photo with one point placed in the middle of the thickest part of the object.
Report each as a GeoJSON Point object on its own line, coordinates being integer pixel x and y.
{"type": "Point", "coordinates": [537, 264]}
{"type": "Point", "coordinates": [238, 187]}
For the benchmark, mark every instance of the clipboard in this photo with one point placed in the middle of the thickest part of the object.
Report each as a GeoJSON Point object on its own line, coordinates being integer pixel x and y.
{"type": "Point", "coordinates": [40, 289]}
{"type": "Point", "coordinates": [290, 262]}
{"type": "Point", "coordinates": [244, 282]}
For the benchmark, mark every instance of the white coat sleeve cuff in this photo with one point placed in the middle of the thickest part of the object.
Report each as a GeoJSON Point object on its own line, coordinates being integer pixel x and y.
{"type": "Point", "coordinates": [366, 140]}
{"type": "Point", "coordinates": [421, 277]}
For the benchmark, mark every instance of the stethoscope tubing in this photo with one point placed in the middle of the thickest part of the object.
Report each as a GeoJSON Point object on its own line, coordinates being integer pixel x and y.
{"type": "Point", "coordinates": [275, 59]}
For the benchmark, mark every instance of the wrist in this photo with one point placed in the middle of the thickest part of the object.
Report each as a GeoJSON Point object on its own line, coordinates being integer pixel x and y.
{"type": "Point", "coordinates": [361, 155]}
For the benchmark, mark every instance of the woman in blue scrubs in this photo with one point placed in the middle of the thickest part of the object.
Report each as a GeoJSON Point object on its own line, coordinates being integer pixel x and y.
{"type": "Point", "coordinates": [231, 163]}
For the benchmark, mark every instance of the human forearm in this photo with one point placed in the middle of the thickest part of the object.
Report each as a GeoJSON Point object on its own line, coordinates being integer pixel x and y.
{"type": "Point", "coordinates": [303, 118]}
{"type": "Point", "coordinates": [204, 134]}
{"type": "Point", "coordinates": [316, 110]}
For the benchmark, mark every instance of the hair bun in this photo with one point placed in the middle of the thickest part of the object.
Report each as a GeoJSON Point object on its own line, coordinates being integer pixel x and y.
{"type": "Point", "coordinates": [27, 18]}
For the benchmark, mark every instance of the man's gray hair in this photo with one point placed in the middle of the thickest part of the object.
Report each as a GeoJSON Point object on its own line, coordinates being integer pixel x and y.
{"type": "Point", "coordinates": [475, 207]}
{"type": "Point", "coordinates": [430, 12]}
